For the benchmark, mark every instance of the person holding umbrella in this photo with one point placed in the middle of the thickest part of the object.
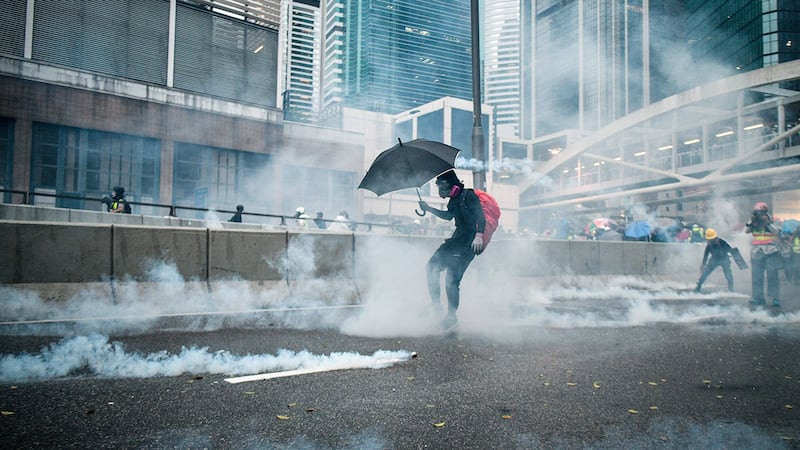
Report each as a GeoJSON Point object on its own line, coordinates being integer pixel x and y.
{"type": "Point", "coordinates": [715, 255]}
{"type": "Point", "coordinates": [457, 252]}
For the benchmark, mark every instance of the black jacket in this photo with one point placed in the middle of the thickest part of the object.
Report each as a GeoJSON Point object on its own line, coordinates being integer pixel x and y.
{"type": "Point", "coordinates": [716, 249]}
{"type": "Point", "coordinates": [466, 209]}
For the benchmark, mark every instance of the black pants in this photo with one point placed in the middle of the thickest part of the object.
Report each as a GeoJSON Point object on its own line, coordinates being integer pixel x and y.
{"type": "Point", "coordinates": [711, 265]}
{"type": "Point", "coordinates": [454, 259]}
{"type": "Point", "coordinates": [770, 264]}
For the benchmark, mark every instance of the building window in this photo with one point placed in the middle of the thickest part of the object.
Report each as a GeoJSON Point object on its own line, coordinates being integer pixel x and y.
{"type": "Point", "coordinates": [6, 155]}
{"type": "Point", "coordinates": [214, 178]}
{"type": "Point", "coordinates": [87, 163]}
{"type": "Point", "coordinates": [328, 191]}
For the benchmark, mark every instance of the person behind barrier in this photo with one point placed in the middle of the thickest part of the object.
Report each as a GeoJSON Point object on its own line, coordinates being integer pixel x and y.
{"type": "Point", "coordinates": [237, 216]}
{"type": "Point", "coordinates": [716, 255]}
{"type": "Point", "coordinates": [117, 202]}
{"type": "Point", "coordinates": [301, 218]}
{"type": "Point", "coordinates": [320, 221]}
{"type": "Point", "coordinates": [793, 270]}
{"type": "Point", "coordinates": [341, 222]}
{"type": "Point", "coordinates": [765, 255]}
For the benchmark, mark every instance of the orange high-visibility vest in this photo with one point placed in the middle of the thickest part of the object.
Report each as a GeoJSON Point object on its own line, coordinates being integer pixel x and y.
{"type": "Point", "coordinates": [762, 237]}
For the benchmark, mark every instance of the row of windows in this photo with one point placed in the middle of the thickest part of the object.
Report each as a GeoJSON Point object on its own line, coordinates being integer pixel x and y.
{"type": "Point", "coordinates": [88, 163]}
{"type": "Point", "coordinates": [214, 55]}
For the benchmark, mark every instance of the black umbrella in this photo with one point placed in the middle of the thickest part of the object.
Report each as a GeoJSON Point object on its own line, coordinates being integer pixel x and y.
{"type": "Point", "coordinates": [408, 165]}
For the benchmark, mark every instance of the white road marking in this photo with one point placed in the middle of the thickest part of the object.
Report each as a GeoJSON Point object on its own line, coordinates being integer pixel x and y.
{"type": "Point", "coordinates": [181, 314]}
{"type": "Point", "coordinates": [380, 363]}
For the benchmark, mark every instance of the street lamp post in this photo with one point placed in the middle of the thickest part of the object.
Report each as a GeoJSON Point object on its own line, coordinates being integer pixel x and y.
{"type": "Point", "coordinates": [478, 174]}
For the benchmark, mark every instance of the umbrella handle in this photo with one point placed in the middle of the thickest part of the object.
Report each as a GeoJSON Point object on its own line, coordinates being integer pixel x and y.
{"type": "Point", "coordinates": [419, 213]}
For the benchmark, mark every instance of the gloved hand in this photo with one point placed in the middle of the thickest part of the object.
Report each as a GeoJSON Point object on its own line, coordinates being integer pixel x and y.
{"type": "Point", "coordinates": [477, 243]}
{"type": "Point", "coordinates": [424, 206]}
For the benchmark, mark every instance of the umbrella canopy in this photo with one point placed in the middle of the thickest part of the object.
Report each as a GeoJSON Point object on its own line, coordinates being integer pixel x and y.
{"type": "Point", "coordinates": [408, 165]}
{"type": "Point", "coordinates": [637, 229]}
{"type": "Point", "coordinates": [789, 225]}
{"type": "Point", "coordinates": [602, 223]}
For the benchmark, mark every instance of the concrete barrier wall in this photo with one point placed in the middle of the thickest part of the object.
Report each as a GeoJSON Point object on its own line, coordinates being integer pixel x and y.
{"type": "Point", "coordinates": [51, 252]}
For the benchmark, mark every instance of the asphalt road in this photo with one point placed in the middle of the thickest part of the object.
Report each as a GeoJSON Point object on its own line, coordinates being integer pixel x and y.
{"type": "Point", "coordinates": [703, 384]}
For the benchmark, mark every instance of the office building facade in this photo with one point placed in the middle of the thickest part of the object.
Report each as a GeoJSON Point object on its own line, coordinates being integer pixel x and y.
{"type": "Point", "coordinates": [599, 66]}
{"type": "Point", "coordinates": [174, 100]}
{"type": "Point", "coordinates": [299, 60]}
{"type": "Point", "coordinates": [502, 63]}
{"type": "Point", "coordinates": [400, 54]}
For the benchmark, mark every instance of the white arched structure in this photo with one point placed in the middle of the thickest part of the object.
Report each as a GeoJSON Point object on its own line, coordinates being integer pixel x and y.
{"type": "Point", "coordinates": [722, 135]}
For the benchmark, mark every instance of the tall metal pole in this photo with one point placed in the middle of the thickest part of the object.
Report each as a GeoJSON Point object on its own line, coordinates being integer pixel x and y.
{"type": "Point", "coordinates": [478, 174]}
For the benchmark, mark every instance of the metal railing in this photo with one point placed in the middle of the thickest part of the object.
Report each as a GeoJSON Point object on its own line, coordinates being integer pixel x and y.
{"type": "Point", "coordinates": [28, 198]}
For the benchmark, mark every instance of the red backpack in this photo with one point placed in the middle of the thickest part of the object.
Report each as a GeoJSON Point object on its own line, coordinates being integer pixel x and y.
{"type": "Point", "coordinates": [491, 211]}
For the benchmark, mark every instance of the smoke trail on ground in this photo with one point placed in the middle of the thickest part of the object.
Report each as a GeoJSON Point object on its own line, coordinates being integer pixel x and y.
{"type": "Point", "coordinates": [96, 355]}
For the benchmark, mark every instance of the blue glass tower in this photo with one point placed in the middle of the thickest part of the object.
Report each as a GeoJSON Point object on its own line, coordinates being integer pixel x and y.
{"type": "Point", "coordinates": [402, 54]}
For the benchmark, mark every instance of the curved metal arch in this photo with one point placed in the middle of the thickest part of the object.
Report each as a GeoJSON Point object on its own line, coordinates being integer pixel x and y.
{"type": "Point", "coordinates": [757, 80]}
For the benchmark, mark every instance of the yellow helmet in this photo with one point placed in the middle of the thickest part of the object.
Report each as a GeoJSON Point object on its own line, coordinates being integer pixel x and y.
{"type": "Point", "coordinates": [711, 234]}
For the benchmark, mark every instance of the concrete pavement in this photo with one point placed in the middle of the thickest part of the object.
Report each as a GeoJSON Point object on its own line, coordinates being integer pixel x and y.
{"type": "Point", "coordinates": [699, 384]}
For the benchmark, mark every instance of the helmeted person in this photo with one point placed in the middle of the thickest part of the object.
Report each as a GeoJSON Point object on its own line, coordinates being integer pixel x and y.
{"type": "Point", "coordinates": [765, 255]}
{"type": "Point", "coordinates": [301, 218]}
{"type": "Point", "coordinates": [457, 251]}
{"type": "Point", "coordinates": [117, 203]}
{"type": "Point", "coordinates": [717, 254]}
{"type": "Point", "coordinates": [696, 234]}
{"type": "Point", "coordinates": [794, 262]}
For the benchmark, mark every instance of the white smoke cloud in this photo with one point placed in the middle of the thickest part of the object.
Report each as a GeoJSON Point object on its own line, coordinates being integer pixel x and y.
{"type": "Point", "coordinates": [100, 357]}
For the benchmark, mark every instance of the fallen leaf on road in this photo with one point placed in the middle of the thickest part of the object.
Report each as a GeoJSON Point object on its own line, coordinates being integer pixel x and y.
{"type": "Point", "coordinates": [789, 407]}
{"type": "Point", "coordinates": [409, 378]}
{"type": "Point", "coordinates": [310, 409]}
{"type": "Point", "coordinates": [292, 405]}
{"type": "Point", "coordinates": [506, 416]}
{"type": "Point", "coordinates": [249, 393]}
{"type": "Point", "coordinates": [706, 381]}
{"type": "Point", "coordinates": [572, 384]}
{"type": "Point", "coordinates": [7, 413]}
{"type": "Point", "coordinates": [653, 408]}
{"type": "Point", "coordinates": [652, 383]}
{"type": "Point", "coordinates": [546, 383]}
{"type": "Point", "coordinates": [596, 385]}
{"type": "Point", "coordinates": [429, 406]}
{"type": "Point", "coordinates": [633, 411]}
{"type": "Point", "coordinates": [439, 425]}
{"type": "Point", "coordinates": [719, 396]}
{"type": "Point", "coordinates": [282, 417]}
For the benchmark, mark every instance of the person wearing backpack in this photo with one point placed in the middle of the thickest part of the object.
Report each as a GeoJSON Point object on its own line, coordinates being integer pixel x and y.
{"type": "Point", "coordinates": [457, 251]}
{"type": "Point", "coordinates": [117, 202]}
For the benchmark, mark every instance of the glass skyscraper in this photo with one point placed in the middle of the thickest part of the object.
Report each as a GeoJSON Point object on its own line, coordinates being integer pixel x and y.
{"type": "Point", "coordinates": [299, 59]}
{"type": "Point", "coordinates": [401, 54]}
{"type": "Point", "coordinates": [595, 62]}
{"type": "Point", "coordinates": [743, 35]}
{"type": "Point", "coordinates": [502, 63]}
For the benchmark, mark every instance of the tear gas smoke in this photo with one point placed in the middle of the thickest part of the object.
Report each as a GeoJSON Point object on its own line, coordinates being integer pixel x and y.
{"type": "Point", "coordinates": [99, 357]}
{"type": "Point", "coordinates": [392, 300]}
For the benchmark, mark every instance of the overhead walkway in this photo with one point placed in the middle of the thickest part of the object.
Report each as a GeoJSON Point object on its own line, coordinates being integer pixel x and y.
{"type": "Point", "coordinates": [737, 136]}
